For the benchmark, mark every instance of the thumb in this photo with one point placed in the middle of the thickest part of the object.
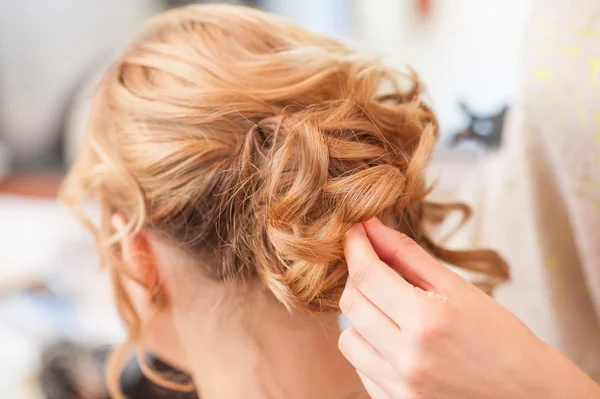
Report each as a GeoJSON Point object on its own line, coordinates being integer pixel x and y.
{"type": "Point", "coordinates": [407, 257]}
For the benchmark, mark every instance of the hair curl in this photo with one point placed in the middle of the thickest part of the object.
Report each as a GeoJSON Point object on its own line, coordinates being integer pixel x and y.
{"type": "Point", "coordinates": [251, 141]}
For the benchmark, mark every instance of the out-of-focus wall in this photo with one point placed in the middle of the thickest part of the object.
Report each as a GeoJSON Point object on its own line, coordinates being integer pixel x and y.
{"type": "Point", "coordinates": [332, 18]}
{"type": "Point", "coordinates": [46, 49]}
{"type": "Point", "coordinates": [463, 49]}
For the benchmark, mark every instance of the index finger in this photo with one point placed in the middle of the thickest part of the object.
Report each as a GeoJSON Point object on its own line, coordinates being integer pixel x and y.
{"type": "Point", "coordinates": [378, 282]}
{"type": "Point", "coordinates": [407, 257]}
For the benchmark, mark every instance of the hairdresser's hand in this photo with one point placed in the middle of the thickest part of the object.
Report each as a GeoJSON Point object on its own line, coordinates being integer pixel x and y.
{"type": "Point", "coordinates": [435, 335]}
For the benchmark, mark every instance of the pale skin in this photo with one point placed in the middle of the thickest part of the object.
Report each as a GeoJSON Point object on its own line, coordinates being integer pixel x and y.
{"type": "Point", "coordinates": [234, 339]}
{"type": "Point", "coordinates": [433, 335]}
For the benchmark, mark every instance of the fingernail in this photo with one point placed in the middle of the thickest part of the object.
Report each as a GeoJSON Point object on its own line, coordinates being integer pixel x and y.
{"type": "Point", "coordinates": [353, 228]}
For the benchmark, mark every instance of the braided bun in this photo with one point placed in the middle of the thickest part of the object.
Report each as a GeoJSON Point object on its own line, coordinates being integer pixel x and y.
{"type": "Point", "coordinates": [327, 167]}
{"type": "Point", "coordinates": [259, 144]}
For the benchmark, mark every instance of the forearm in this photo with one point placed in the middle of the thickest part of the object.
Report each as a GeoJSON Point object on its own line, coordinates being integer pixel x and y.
{"type": "Point", "coordinates": [559, 378]}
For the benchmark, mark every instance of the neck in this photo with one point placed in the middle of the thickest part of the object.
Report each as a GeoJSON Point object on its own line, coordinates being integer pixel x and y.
{"type": "Point", "coordinates": [265, 352]}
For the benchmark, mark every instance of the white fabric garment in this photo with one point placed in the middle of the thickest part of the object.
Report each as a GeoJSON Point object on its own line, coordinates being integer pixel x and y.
{"type": "Point", "coordinates": [538, 201]}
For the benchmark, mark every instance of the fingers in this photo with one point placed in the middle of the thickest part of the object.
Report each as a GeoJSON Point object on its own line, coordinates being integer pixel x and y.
{"type": "Point", "coordinates": [370, 322]}
{"type": "Point", "coordinates": [375, 392]}
{"type": "Point", "coordinates": [407, 257]}
{"type": "Point", "coordinates": [385, 288]}
{"type": "Point", "coordinates": [363, 356]}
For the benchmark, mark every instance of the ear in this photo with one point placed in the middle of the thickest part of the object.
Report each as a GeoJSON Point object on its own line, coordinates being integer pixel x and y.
{"type": "Point", "coordinates": [139, 261]}
{"type": "Point", "coordinates": [147, 290]}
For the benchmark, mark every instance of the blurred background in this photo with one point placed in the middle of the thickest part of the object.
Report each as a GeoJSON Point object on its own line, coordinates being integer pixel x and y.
{"type": "Point", "coordinates": [56, 316]}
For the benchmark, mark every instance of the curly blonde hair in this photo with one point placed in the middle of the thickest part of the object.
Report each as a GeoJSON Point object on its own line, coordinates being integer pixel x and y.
{"type": "Point", "coordinates": [254, 142]}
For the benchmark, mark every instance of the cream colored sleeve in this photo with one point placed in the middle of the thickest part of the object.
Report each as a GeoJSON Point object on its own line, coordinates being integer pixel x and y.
{"type": "Point", "coordinates": [539, 198]}
{"type": "Point", "coordinates": [561, 85]}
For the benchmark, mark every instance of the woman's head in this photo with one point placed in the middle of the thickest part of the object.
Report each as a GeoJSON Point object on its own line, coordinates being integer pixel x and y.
{"type": "Point", "coordinates": [251, 146]}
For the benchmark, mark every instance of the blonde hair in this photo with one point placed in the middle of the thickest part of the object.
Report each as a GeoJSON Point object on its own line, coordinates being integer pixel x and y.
{"type": "Point", "coordinates": [256, 143]}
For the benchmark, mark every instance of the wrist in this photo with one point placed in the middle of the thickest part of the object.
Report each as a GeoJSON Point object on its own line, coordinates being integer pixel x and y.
{"type": "Point", "coordinates": [557, 377]}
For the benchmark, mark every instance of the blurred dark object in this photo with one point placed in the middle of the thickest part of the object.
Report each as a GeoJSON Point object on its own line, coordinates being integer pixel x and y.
{"type": "Point", "coordinates": [70, 371]}
{"type": "Point", "coordinates": [484, 130]}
